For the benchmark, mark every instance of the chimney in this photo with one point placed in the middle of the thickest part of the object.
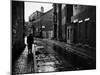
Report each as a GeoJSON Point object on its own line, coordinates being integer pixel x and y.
{"type": "Point", "coordinates": [42, 9]}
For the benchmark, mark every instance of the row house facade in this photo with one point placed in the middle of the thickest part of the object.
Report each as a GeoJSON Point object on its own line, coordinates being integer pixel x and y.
{"type": "Point", "coordinates": [44, 25]}
{"type": "Point", "coordinates": [75, 23]}
{"type": "Point", "coordinates": [35, 15]}
{"type": "Point", "coordinates": [47, 24]}
{"type": "Point", "coordinates": [62, 21]}
{"type": "Point", "coordinates": [84, 22]}
{"type": "Point", "coordinates": [34, 23]}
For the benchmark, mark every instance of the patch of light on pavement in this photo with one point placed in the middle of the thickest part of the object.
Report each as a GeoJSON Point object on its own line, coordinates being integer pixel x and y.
{"type": "Point", "coordinates": [46, 69]}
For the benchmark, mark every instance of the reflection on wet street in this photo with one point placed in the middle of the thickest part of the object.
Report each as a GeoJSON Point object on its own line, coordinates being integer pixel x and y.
{"type": "Point", "coordinates": [48, 62]}
{"type": "Point", "coordinates": [24, 64]}
{"type": "Point", "coordinates": [42, 59]}
{"type": "Point", "coordinates": [60, 37]}
{"type": "Point", "coordinates": [46, 57]}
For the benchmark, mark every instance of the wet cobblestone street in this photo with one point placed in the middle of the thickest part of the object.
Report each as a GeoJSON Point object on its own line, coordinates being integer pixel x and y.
{"type": "Point", "coordinates": [52, 37]}
{"type": "Point", "coordinates": [42, 59]}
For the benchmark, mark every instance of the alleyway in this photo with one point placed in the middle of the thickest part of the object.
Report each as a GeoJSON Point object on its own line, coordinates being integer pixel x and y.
{"type": "Point", "coordinates": [48, 57]}
{"type": "Point", "coordinates": [62, 42]}
{"type": "Point", "coordinates": [44, 59]}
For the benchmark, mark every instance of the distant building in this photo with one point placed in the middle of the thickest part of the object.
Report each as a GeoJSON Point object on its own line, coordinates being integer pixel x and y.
{"type": "Point", "coordinates": [43, 24]}
{"type": "Point", "coordinates": [47, 24]}
{"type": "Point", "coordinates": [35, 15]}
{"type": "Point", "coordinates": [27, 28]}
{"type": "Point", "coordinates": [32, 18]}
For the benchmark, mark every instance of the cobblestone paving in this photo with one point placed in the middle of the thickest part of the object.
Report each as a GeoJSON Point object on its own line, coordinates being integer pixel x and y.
{"type": "Point", "coordinates": [44, 60]}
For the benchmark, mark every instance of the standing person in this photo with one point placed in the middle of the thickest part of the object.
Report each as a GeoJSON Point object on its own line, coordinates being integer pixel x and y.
{"type": "Point", "coordinates": [30, 42]}
{"type": "Point", "coordinates": [33, 33]}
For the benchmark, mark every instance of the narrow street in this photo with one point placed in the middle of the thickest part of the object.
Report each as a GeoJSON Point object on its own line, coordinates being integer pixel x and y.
{"type": "Point", "coordinates": [48, 57]}
{"type": "Point", "coordinates": [52, 37]}
{"type": "Point", "coordinates": [42, 59]}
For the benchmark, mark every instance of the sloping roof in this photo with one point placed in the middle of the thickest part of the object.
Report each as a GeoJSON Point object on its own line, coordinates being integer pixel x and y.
{"type": "Point", "coordinates": [48, 11]}
{"type": "Point", "coordinates": [37, 20]}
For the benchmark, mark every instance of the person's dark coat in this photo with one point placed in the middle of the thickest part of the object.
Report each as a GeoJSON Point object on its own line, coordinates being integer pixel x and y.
{"type": "Point", "coordinates": [30, 39]}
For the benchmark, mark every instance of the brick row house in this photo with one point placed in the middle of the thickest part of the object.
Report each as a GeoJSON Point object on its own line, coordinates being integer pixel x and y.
{"type": "Point", "coordinates": [43, 23]}
{"type": "Point", "coordinates": [75, 24]}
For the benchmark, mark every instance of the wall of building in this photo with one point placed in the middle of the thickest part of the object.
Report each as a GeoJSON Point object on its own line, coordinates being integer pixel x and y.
{"type": "Point", "coordinates": [17, 28]}
{"type": "Point", "coordinates": [74, 32]}
{"type": "Point", "coordinates": [59, 21]}
{"type": "Point", "coordinates": [63, 20]}
{"type": "Point", "coordinates": [35, 15]}
{"type": "Point", "coordinates": [64, 13]}
{"type": "Point", "coordinates": [46, 21]}
{"type": "Point", "coordinates": [86, 30]}
{"type": "Point", "coordinates": [78, 9]}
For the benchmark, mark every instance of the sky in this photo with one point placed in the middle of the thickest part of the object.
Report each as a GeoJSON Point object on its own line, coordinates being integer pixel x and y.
{"type": "Point", "coordinates": [31, 7]}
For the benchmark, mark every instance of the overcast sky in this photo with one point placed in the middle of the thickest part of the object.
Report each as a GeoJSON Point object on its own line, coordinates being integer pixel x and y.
{"type": "Point", "coordinates": [31, 7]}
